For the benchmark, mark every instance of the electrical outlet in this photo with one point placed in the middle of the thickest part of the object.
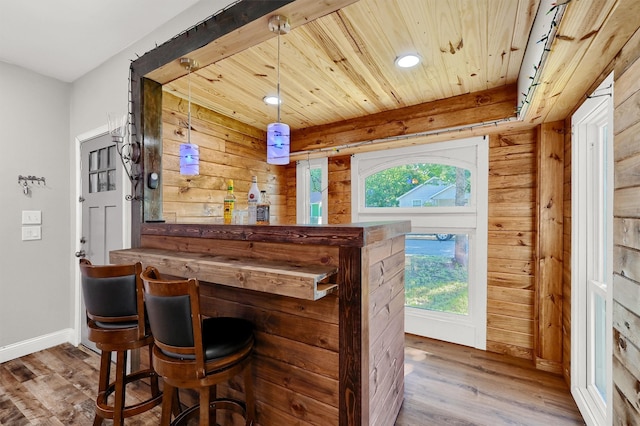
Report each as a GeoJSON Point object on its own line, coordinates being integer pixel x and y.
{"type": "Point", "coordinates": [31, 217]}
{"type": "Point", "coordinates": [31, 233]}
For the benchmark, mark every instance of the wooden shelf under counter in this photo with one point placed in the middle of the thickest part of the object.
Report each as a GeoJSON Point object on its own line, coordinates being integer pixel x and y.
{"type": "Point", "coordinates": [271, 276]}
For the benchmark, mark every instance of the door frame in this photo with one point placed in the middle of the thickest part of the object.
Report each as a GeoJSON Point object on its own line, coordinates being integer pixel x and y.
{"type": "Point", "coordinates": [579, 294]}
{"type": "Point", "coordinates": [78, 316]}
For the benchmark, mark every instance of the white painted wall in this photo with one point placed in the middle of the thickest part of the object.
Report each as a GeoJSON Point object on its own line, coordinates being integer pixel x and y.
{"type": "Point", "coordinates": [35, 294]}
{"type": "Point", "coordinates": [43, 117]}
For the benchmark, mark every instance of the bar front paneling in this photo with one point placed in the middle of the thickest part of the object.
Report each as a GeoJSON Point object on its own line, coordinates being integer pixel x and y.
{"type": "Point", "coordinates": [337, 360]}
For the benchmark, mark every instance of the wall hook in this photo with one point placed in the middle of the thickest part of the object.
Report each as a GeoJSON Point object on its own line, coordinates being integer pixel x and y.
{"type": "Point", "coordinates": [25, 180]}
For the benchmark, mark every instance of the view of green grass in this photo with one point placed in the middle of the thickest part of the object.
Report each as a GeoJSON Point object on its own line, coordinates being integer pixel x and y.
{"type": "Point", "coordinates": [436, 283]}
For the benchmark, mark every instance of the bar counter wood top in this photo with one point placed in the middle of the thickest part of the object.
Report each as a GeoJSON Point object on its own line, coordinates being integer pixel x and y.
{"type": "Point", "coordinates": [327, 303]}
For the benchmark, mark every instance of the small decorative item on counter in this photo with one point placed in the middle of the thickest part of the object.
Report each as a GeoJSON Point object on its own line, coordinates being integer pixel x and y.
{"type": "Point", "coordinates": [262, 209]}
{"type": "Point", "coordinates": [252, 200]}
{"type": "Point", "coordinates": [229, 203]}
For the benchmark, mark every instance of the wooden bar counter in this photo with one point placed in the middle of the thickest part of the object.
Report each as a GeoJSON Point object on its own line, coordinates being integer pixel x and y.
{"type": "Point", "coordinates": [327, 302]}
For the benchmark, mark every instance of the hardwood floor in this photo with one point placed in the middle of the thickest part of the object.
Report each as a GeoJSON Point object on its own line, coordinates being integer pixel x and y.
{"type": "Point", "coordinates": [445, 384]}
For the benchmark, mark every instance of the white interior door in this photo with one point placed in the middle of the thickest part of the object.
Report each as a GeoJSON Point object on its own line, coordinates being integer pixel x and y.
{"type": "Point", "coordinates": [101, 200]}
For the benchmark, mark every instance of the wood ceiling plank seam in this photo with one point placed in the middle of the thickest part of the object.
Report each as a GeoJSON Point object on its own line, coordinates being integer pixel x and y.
{"type": "Point", "coordinates": [350, 69]}
{"type": "Point", "coordinates": [525, 17]}
{"type": "Point", "coordinates": [326, 101]}
{"type": "Point", "coordinates": [434, 60]}
{"type": "Point", "coordinates": [421, 79]}
{"type": "Point", "coordinates": [619, 26]}
{"type": "Point", "coordinates": [475, 39]}
{"type": "Point", "coordinates": [577, 29]}
{"type": "Point", "coordinates": [384, 31]}
{"type": "Point", "coordinates": [376, 78]}
{"type": "Point", "coordinates": [450, 37]}
{"type": "Point", "coordinates": [501, 21]}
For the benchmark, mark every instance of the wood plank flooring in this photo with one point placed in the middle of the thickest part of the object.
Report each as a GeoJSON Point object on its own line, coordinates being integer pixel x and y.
{"type": "Point", "coordinates": [445, 384]}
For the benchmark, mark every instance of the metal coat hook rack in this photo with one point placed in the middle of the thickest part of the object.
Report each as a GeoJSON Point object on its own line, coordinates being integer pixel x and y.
{"type": "Point", "coordinates": [26, 180]}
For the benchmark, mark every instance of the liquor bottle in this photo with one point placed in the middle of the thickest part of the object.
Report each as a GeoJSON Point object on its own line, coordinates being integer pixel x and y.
{"type": "Point", "coordinates": [262, 209]}
{"type": "Point", "coordinates": [229, 203]}
{"type": "Point", "coordinates": [252, 200]}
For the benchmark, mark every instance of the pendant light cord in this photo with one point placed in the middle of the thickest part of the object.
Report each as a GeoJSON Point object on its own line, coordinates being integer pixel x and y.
{"type": "Point", "coordinates": [279, 99]}
{"type": "Point", "coordinates": [189, 107]}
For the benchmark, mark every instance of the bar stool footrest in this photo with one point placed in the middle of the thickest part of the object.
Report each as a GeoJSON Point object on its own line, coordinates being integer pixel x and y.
{"type": "Point", "coordinates": [106, 411]}
{"type": "Point", "coordinates": [217, 404]}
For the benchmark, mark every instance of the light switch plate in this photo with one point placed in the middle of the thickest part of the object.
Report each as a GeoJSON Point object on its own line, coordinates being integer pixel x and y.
{"type": "Point", "coordinates": [31, 217]}
{"type": "Point", "coordinates": [31, 233]}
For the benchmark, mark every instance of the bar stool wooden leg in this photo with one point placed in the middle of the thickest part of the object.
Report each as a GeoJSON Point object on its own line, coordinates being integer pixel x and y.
{"type": "Point", "coordinates": [249, 397]}
{"type": "Point", "coordinates": [168, 401]}
{"type": "Point", "coordinates": [103, 381]}
{"type": "Point", "coordinates": [121, 366]}
{"type": "Point", "coordinates": [205, 399]}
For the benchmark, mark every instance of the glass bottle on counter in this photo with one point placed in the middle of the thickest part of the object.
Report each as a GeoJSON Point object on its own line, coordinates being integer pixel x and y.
{"type": "Point", "coordinates": [252, 200]}
{"type": "Point", "coordinates": [262, 209]}
{"type": "Point", "coordinates": [229, 203]}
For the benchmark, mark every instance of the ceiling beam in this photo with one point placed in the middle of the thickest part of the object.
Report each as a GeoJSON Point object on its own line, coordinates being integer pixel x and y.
{"type": "Point", "coordinates": [237, 28]}
{"type": "Point", "coordinates": [472, 108]}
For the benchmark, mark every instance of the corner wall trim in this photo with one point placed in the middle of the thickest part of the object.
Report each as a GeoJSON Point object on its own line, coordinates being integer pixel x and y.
{"type": "Point", "coordinates": [26, 347]}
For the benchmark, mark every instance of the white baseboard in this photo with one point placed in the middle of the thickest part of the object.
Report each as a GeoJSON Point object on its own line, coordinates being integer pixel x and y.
{"type": "Point", "coordinates": [26, 347]}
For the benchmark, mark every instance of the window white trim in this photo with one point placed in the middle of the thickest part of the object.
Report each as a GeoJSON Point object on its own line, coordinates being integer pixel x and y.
{"type": "Point", "coordinates": [593, 111]}
{"type": "Point", "coordinates": [303, 183]}
{"type": "Point", "coordinates": [473, 155]}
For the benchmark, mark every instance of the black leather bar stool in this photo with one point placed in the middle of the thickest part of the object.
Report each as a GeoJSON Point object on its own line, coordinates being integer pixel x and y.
{"type": "Point", "coordinates": [114, 300]}
{"type": "Point", "coordinates": [196, 353]}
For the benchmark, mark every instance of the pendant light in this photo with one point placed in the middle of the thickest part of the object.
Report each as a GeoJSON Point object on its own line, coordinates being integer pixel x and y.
{"type": "Point", "coordinates": [189, 152]}
{"type": "Point", "coordinates": [278, 133]}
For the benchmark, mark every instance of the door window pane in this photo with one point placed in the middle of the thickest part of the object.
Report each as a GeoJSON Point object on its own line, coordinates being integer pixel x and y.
{"type": "Point", "coordinates": [418, 185]}
{"type": "Point", "coordinates": [437, 272]}
{"type": "Point", "coordinates": [93, 161]}
{"type": "Point", "coordinates": [102, 169]}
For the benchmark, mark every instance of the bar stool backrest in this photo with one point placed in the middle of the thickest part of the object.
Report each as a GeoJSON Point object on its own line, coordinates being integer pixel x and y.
{"type": "Point", "coordinates": [173, 307]}
{"type": "Point", "coordinates": [113, 294]}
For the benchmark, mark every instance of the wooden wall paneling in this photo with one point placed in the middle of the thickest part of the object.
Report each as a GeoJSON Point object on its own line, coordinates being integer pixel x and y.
{"type": "Point", "coordinates": [385, 325]}
{"type": "Point", "coordinates": [548, 328]}
{"type": "Point", "coordinates": [339, 178]}
{"type": "Point", "coordinates": [626, 279]}
{"type": "Point", "coordinates": [511, 242]}
{"type": "Point", "coordinates": [566, 265]}
{"type": "Point", "coordinates": [228, 150]}
{"type": "Point", "coordinates": [296, 356]}
{"type": "Point", "coordinates": [290, 212]}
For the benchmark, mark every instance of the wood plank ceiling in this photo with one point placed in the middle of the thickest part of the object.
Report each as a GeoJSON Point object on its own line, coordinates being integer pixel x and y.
{"type": "Point", "coordinates": [341, 66]}
{"type": "Point", "coordinates": [337, 63]}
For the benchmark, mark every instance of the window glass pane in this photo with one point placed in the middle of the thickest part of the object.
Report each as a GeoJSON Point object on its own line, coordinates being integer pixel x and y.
{"type": "Point", "coordinates": [103, 182]}
{"type": "Point", "coordinates": [111, 163]}
{"type": "Point", "coordinates": [437, 272]}
{"type": "Point", "coordinates": [600, 362]}
{"type": "Point", "coordinates": [112, 180]}
{"type": "Point", "coordinates": [93, 182]}
{"type": "Point", "coordinates": [418, 185]}
{"type": "Point", "coordinates": [315, 195]}
{"type": "Point", "coordinates": [102, 158]}
{"type": "Point", "coordinates": [93, 161]}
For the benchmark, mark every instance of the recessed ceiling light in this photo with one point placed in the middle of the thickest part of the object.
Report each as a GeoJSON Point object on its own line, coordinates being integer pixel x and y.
{"type": "Point", "coordinates": [407, 61]}
{"type": "Point", "coordinates": [271, 100]}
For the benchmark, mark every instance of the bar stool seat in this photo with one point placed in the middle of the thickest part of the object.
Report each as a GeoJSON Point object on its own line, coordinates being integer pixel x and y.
{"type": "Point", "coordinates": [192, 352]}
{"type": "Point", "coordinates": [117, 323]}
